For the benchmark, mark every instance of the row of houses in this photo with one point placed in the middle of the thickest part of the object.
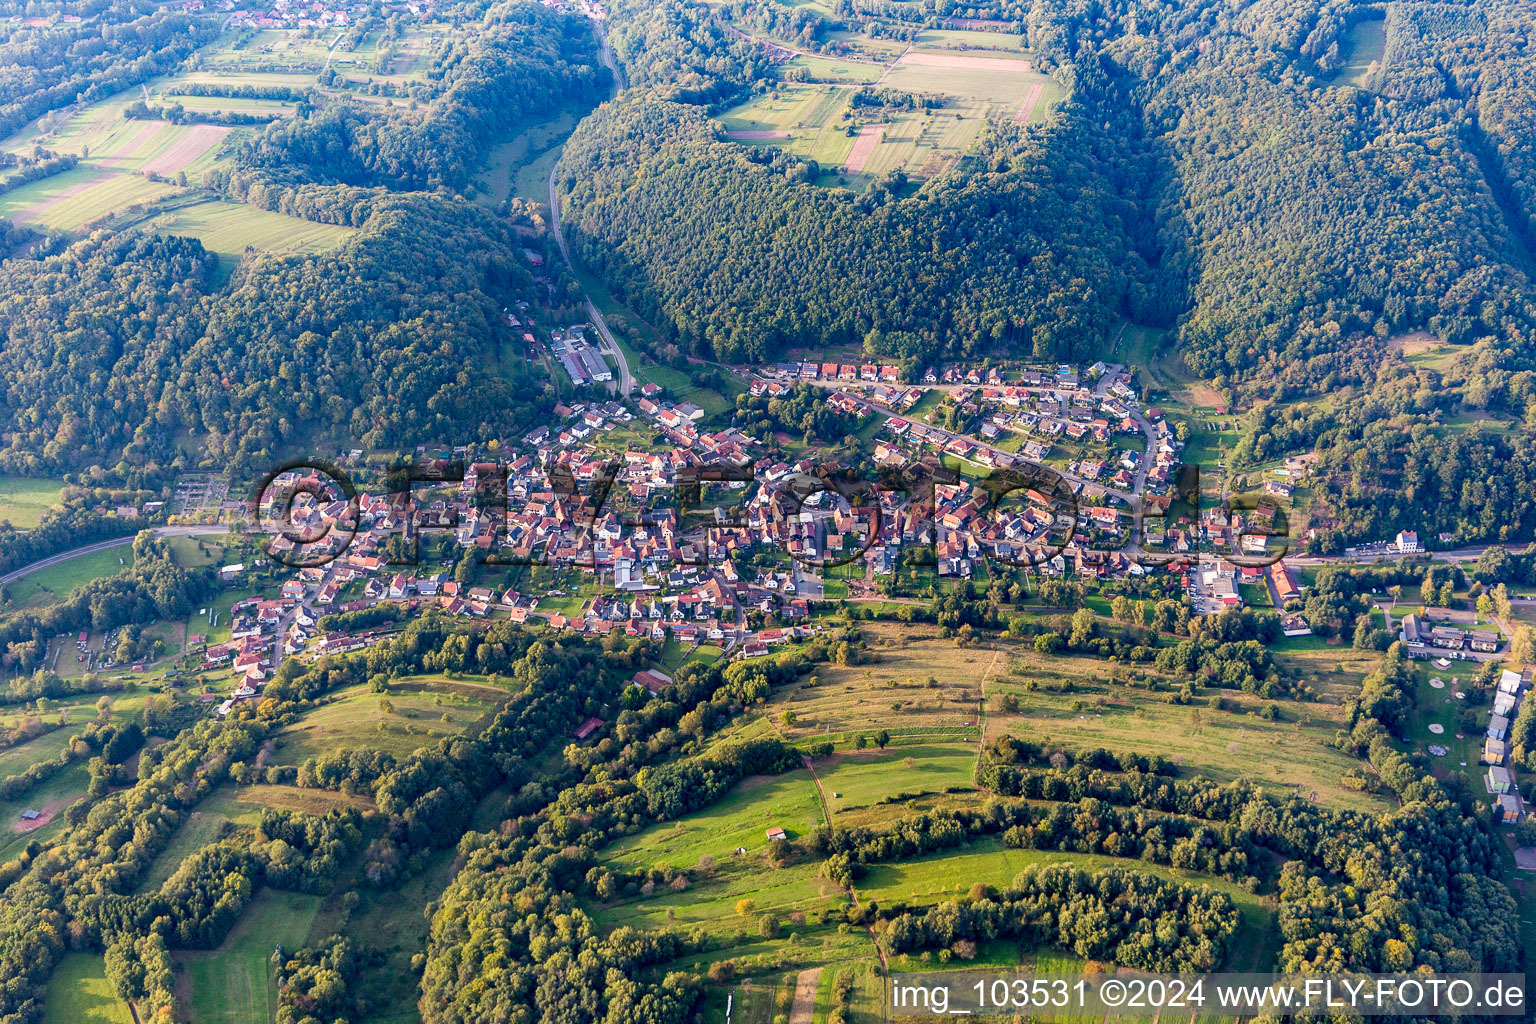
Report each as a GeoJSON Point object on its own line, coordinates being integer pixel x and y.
{"type": "Point", "coordinates": [1512, 689]}
{"type": "Point", "coordinates": [888, 373]}
{"type": "Point", "coordinates": [1423, 638]}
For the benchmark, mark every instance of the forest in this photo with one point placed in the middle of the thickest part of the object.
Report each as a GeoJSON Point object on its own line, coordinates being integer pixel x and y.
{"type": "Point", "coordinates": [119, 341]}
{"type": "Point", "coordinates": [1366, 213]}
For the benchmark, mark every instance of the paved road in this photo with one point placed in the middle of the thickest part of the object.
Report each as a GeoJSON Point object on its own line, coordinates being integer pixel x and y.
{"type": "Point", "coordinates": [626, 382]}
{"type": "Point", "coordinates": [160, 531]}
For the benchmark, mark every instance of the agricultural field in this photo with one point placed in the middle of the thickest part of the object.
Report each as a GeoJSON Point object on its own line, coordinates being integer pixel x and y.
{"type": "Point", "coordinates": [856, 144]}
{"type": "Point", "coordinates": [234, 984]}
{"type": "Point", "coordinates": [75, 198]}
{"type": "Point", "coordinates": [194, 551]}
{"type": "Point", "coordinates": [409, 716]}
{"type": "Point", "coordinates": [147, 172]}
{"type": "Point", "coordinates": [24, 499]}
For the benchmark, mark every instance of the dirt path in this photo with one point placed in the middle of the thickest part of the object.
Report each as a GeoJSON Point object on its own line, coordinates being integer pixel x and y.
{"type": "Point", "coordinates": [981, 706]}
{"type": "Point", "coordinates": [805, 996]}
{"type": "Point", "coordinates": [826, 810]}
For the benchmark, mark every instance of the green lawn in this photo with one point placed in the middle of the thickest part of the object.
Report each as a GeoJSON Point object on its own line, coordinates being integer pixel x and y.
{"type": "Point", "coordinates": [200, 829]}
{"type": "Point", "coordinates": [786, 801]}
{"type": "Point", "coordinates": [48, 585]}
{"type": "Point", "coordinates": [353, 719]}
{"type": "Point", "coordinates": [78, 993]}
{"type": "Point", "coordinates": [858, 779]}
{"type": "Point", "coordinates": [234, 984]}
{"type": "Point", "coordinates": [23, 499]}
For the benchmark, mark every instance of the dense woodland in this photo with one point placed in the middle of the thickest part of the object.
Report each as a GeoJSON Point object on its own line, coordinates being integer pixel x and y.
{"type": "Point", "coordinates": [523, 62]}
{"type": "Point", "coordinates": [1204, 174]}
{"type": "Point", "coordinates": [1210, 171]}
{"type": "Point", "coordinates": [118, 344]}
{"type": "Point", "coordinates": [1361, 214]}
{"type": "Point", "coordinates": [970, 265]}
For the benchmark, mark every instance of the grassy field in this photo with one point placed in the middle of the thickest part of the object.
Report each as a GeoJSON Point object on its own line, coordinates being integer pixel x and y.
{"type": "Point", "coordinates": [117, 155]}
{"type": "Point", "coordinates": [193, 551]}
{"type": "Point", "coordinates": [14, 760]}
{"type": "Point", "coordinates": [50, 797]}
{"type": "Point", "coordinates": [1223, 745]}
{"type": "Point", "coordinates": [1365, 45]}
{"type": "Point", "coordinates": [24, 499]}
{"type": "Point", "coordinates": [200, 829]}
{"type": "Point", "coordinates": [786, 801]}
{"type": "Point", "coordinates": [243, 804]}
{"type": "Point", "coordinates": [57, 581]}
{"type": "Point", "coordinates": [233, 984]}
{"type": "Point", "coordinates": [390, 923]}
{"type": "Point", "coordinates": [79, 993]}
{"type": "Point", "coordinates": [970, 39]}
{"type": "Point", "coordinates": [227, 228]}
{"type": "Point", "coordinates": [422, 713]}
{"type": "Point", "coordinates": [934, 879]}
{"type": "Point", "coordinates": [892, 693]}
{"type": "Point", "coordinates": [832, 69]}
{"type": "Point", "coordinates": [521, 165]}
{"type": "Point", "coordinates": [856, 781]}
